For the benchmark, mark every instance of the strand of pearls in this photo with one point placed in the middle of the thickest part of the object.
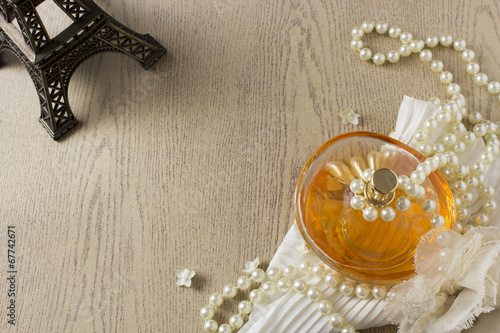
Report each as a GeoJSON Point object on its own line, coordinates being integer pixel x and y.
{"type": "Point", "coordinates": [465, 180]}
{"type": "Point", "coordinates": [290, 279]}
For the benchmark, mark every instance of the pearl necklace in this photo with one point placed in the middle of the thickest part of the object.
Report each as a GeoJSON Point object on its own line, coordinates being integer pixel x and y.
{"type": "Point", "coordinates": [443, 155]}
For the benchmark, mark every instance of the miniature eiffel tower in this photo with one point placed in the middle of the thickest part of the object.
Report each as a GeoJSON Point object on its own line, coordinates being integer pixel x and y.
{"type": "Point", "coordinates": [52, 62]}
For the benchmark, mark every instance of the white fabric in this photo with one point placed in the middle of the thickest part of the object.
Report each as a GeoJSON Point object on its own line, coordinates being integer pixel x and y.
{"type": "Point", "coordinates": [421, 305]}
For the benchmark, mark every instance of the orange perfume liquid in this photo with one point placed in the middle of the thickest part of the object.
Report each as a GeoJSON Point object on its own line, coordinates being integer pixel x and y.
{"type": "Point", "coordinates": [377, 251]}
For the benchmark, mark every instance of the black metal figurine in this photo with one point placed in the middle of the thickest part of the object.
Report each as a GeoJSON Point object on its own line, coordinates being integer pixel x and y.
{"type": "Point", "coordinates": [52, 61]}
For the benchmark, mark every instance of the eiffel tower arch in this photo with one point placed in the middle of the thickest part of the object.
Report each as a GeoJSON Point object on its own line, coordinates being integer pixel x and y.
{"type": "Point", "coordinates": [52, 62]}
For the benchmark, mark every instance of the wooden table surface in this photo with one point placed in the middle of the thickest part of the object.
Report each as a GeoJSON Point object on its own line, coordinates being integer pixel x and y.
{"type": "Point", "coordinates": [194, 162]}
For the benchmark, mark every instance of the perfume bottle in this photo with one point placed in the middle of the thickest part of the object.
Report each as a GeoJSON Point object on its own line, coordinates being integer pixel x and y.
{"type": "Point", "coordinates": [374, 250]}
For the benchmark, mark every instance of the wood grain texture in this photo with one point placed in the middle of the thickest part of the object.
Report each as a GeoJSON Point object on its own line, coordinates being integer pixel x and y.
{"type": "Point", "coordinates": [194, 162]}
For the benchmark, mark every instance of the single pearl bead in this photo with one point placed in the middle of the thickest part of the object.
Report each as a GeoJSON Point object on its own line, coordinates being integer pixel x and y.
{"type": "Point", "coordinates": [356, 44]}
{"type": "Point", "coordinates": [414, 46]}
{"type": "Point", "coordinates": [229, 291]}
{"type": "Point", "coordinates": [494, 150]}
{"type": "Point", "coordinates": [367, 175]}
{"type": "Point", "coordinates": [425, 55]}
{"type": "Point", "coordinates": [258, 275]}
{"type": "Point", "coordinates": [481, 79]}
{"type": "Point", "coordinates": [428, 206]}
{"type": "Point", "coordinates": [441, 159]}
{"type": "Point", "coordinates": [357, 186]}
{"type": "Point", "coordinates": [472, 68]}
{"type": "Point", "coordinates": [284, 285]}
{"type": "Point", "coordinates": [417, 177]}
{"type": "Point", "coordinates": [394, 31]}
{"type": "Point", "coordinates": [269, 288]}
{"type": "Point", "coordinates": [305, 268]}
{"type": "Point", "coordinates": [443, 117]}
{"type": "Point", "coordinates": [405, 37]}
{"type": "Point", "coordinates": [225, 328]}
{"type": "Point", "coordinates": [381, 27]}
{"type": "Point", "coordinates": [463, 213]}
{"type": "Point", "coordinates": [313, 293]}
{"type": "Point", "coordinates": [482, 219]}
{"type": "Point", "coordinates": [431, 124]}
{"type": "Point", "coordinates": [210, 326]}
{"type": "Point", "coordinates": [403, 180]}
{"type": "Point", "coordinates": [404, 50]}
{"type": "Point", "coordinates": [471, 181]}
{"type": "Point", "coordinates": [387, 214]}
{"type": "Point", "coordinates": [379, 292]}
{"type": "Point", "coordinates": [452, 160]}
{"type": "Point", "coordinates": [468, 55]}
{"type": "Point", "coordinates": [425, 149]}
{"type": "Point", "coordinates": [459, 228]}
{"type": "Point", "coordinates": [459, 128]}
{"type": "Point", "coordinates": [446, 40]}
{"type": "Point", "coordinates": [437, 66]}
{"type": "Point", "coordinates": [274, 274]}
{"type": "Point", "coordinates": [325, 307]}
{"type": "Point", "coordinates": [332, 279]}
{"type": "Point", "coordinates": [425, 168]}
{"type": "Point", "coordinates": [299, 286]}
{"type": "Point", "coordinates": [460, 186]}
{"type": "Point", "coordinates": [478, 168]}
{"type": "Point", "coordinates": [481, 179]}
{"type": "Point", "coordinates": [318, 271]}
{"type": "Point", "coordinates": [357, 32]}
{"type": "Point", "coordinates": [348, 329]}
{"type": "Point", "coordinates": [378, 59]}
{"type": "Point", "coordinates": [443, 238]}
{"type": "Point", "coordinates": [494, 87]}
{"type": "Point", "coordinates": [453, 89]}
{"type": "Point", "coordinates": [459, 147]}
{"type": "Point", "coordinates": [236, 321]}
{"type": "Point", "coordinates": [358, 202]}
{"type": "Point", "coordinates": [245, 307]}
{"type": "Point", "coordinates": [207, 312]}
{"type": "Point", "coordinates": [362, 291]}
{"type": "Point", "coordinates": [365, 54]}
{"type": "Point", "coordinates": [370, 214]}
{"type": "Point", "coordinates": [490, 206]}
{"type": "Point", "coordinates": [469, 137]}
{"type": "Point", "coordinates": [467, 198]}
{"type": "Point", "coordinates": [256, 296]}
{"type": "Point", "coordinates": [459, 45]}
{"type": "Point", "coordinates": [462, 170]}
{"type": "Point", "coordinates": [437, 222]}
{"type": "Point", "coordinates": [431, 41]}
{"type": "Point", "coordinates": [346, 288]}
{"type": "Point", "coordinates": [480, 130]}
{"type": "Point", "coordinates": [243, 283]}
{"type": "Point", "coordinates": [336, 320]}
{"type": "Point", "coordinates": [215, 300]}
{"type": "Point", "coordinates": [393, 56]}
{"type": "Point", "coordinates": [421, 193]}
{"type": "Point", "coordinates": [433, 164]}
{"type": "Point", "coordinates": [450, 139]}
{"type": "Point", "coordinates": [446, 77]}
{"type": "Point", "coordinates": [403, 204]}
{"type": "Point", "coordinates": [289, 271]}
{"type": "Point", "coordinates": [367, 26]}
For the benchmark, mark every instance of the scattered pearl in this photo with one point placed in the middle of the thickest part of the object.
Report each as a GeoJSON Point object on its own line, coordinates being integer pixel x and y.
{"type": "Point", "coordinates": [258, 275]}
{"type": "Point", "coordinates": [207, 312]}
{"type": "Point", "coordinates": [299, 286]}
{"type": "Point", "coordinates": [229, 291]}
{"type": "Point", "coordinates": [431, 41]}
{"type": "Point", "coordinates": [318, 271]}
{"type": "Point", "coordinates": [488, 192]}
{"type": "Point", "coordinates": [358, 202]}
{"type": "Point", "coordinates": [379, 59]}
{"type": "Point", "coordinates": [472, 68]}
{"type": "Point", "coordinates": [362, 291]}
{"type": "Point", "coordinates": [405, 37]}
{"type": "Point", "coordinates": [274, 274]}
{"type": "Point", "coordinates": [481, 79]}
{"type": "Point", "coordinates": [379, 292]}
{"type": "Point", "coordinates": [490, 206]}
{"type": "Point", "coordinates": [459, 45]}
{"type": "Point", "coordinates": [446, 40]}
{"type": "Point", "coordinates": [394, 31]}
{"type": "Point", "coordinates": [210, 326]}
{"type": "Point", "coordinates": [284, 285]}
{"type": "Point", "coordinates": [494, 87]}
{"type": "Point", "coordinates": [357, 186]}
{"type": "Point", "coordinates": [346, 288]}
{"type": "Point", "coordinates": [313, 293]}
{"type": "Point", "coordinates": [256, 296]}
{"type": "Point", "coordinates": [403, 204]}
{"type": "Point", "coordinates": [325, 307]}
{"type": "Point", "coordinates": [425, 55]}
{"type": "Point", "coordinates": [367, 26]}
{"type": "Point", "coordinates": [463, 213]}
{"type": "Point", "coordinates": [446, 77]}
{"type": "Point", "coordinates": [453, 89]}
{"type": "Point", "coordinates": [381, 27]}
{"type": "Point", "coordinates": [236, 321]}
{"type": "Point", "coordinates": [482, 219]}
{"type": "Point", "coordinates": [404, 50]}
{"type": "Point", "coordinates": [437, 222]}
{"type": "Point", "coordinates": [365, 54]}
{"type": "Point", "coordinates": [356, 44]}
{"type": "Point", "coordinates": [437, 66]}
{"type": "Point", "coordinates": [468, 55]}
{"type": "Point", "coordinates": [305, 267]}
{"type": "Point", "coordinates": [215, 300]}
{"type": "Point", "coordinates": [245, 307]}
{"type": "Point", "coordinates": [243, 283]}
{"type": "Point", "coordinates": [348, 329]}
{"type": "Point", "coordinates": [370, 214]}
{"type": "Point", "coordinates": [225, 328]}
{"type": "Point", "coordinates": [387, 214]}
{"type": "Point", "coordinates": [393, 56]}
{"type": "Point", "coordinates": [332, 279]}
{"type": "Point", "coordinates": [336, 320]}
{"type": "Point", "coordinates": [357, 33]}
{"type": "Point", "coordinates": [289, 271]}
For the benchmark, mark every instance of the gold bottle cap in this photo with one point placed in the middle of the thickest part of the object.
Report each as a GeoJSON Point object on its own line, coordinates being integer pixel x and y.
{"type": "Point", "coordinates": [380, 189]}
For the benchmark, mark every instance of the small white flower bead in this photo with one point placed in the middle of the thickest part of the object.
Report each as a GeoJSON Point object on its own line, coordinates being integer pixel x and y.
{"type": "Point", "coordinates": [494, 87]}
{"type": "Point", "coordinates": [207, 312]}
{"type": "Point", "coordinates": [215, 300]}
{"type": "Point", "coordinates": [425, 55]}
{"type": "Point", "coordinates": [365, 54]}
{"type": "Point", "coordinates": [381, 27]}
{"type": "Point", "coordinates": [229, 291]}
{"type": "Point", "coordinates": [370, 214]}
{"type": "Point", "coordinates": [210, 326]}
{"type": "Point", "coordinates": [387, 214]}
{"type": "Point", "coordinates": [336, 320]}
{"type": "Point", "coordinates": [393, 56]}
{"type": "Point", "coordinates": [357, 186]}
{"type": "Point", "coordinates": [325, 307]}
{"type": "Point", "coordinates": [289, 272]}
{"type": "Point", "coordinates": [446, 40]}
{"type": "Point", "coordinates": [367, 175]}
{"type": "Point", "coordinates": [394, 32]}
{"type": "Point", "coordinates": [437, 66]}
{"type": "Point", "coordinates": [236, 321]}
{"type": "Point", "coordinates": [258, 275]}
{"type": "Point", "coordinates": [225, 328]}
{"type": "Point", "coordinates": [299, 286]}
{"type": "Point", "coordinates": [318, 271]}
{"type": "Point", "coordinates": [445, 77]}
{"type": "Point", "coordinates": [378, 58]}
{"type": "Point", "coordinates": [332, 279]}
{"type": "Point", "coordinates": [428, 206]}
{"type": "Point", "coordinates": [284, 285]}
{"type": "Point", "coordinates": [362, 291]}
{"type": "Point", "coordinates": [403, 204]}
{"type": "Point", "coordinates": [472, 68]}
{"type": "Point", "coordinates": [357, 32]}
{"type": "Point", "coordinates": [437, 222]}
{"type": "Point", "coordinates": [269, 288]}
{"type": "Point", "coordinates": [404, 50]}
{"type": "Point", "coordinates": [273, 273]}
{"type": "Point", "coordinates": [480, 79]}
{"type": "Point", "coordinates": [346, 288]}
{"type": "Point", "coordinates": [379, 292]}
{"type": "Point", "coordinates": [367, 26]}
{"type": "Point", "coordinates": [245, 307]}
{"type": "Point", "coordinates": [468, 55]}
{"type": "Point", "coordinates": [459, 45]}
{"type": "Point", "coordinates": [313, 293]}
{"type": "Point", "coordinates": [243, 283]}
{"type": "Point", "coordinates": [358, 202]}
{"type": "Point", "coordinates": [356, 44]}
{"type": "Point", "coordinates": [305, 267]}
{"type": "Point", "coordinates": [256, 296]}
{"type": "Point", "coordinates": [405, 37]}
